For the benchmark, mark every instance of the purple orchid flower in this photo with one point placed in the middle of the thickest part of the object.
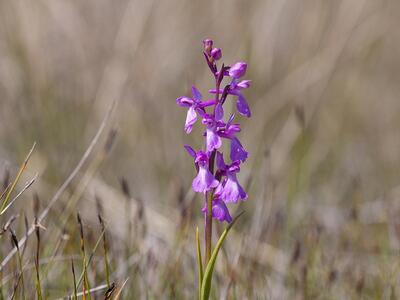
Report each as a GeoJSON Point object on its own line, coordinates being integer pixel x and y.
{"type": "Point", "coordinates": [213, 140]}
{"type": "Point", "coordinates": [228, 130]}
{"type": "Point", "coordinates": [241, 103]}
{"type": "Point", "coordinates": [219, 211]}
{"type": "Point", "coordinates": [238, 70]}
{"type": "Point", "coordinates": [195, 106]}
{"type": "Point", "coordinates": [235, 89]}
{"type": "Point", "coordinates": [229, 190]}
{"type": "Point", "coordinates": [204, 181]}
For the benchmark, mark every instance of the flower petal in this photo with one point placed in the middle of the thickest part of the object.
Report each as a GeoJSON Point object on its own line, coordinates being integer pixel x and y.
{"type": "Point", "coordinates": [196, 94]}
{"type": "Point", "coordinates": [191, 151]}
{"type": "Point", "coordinates": [214, 91]}
{"type": "Point", "coordinates": [237, 151]}
{"type": "Point", "coordinates": [242, 106]}
{"type": "Point", "coordinates": [184, 101]}
{"type": "Point", "coordinates": [219, 112]}
{"type": "Point", "coordinates": [244, 84]}
{"type": "Point", "coordinates": [191, 118]}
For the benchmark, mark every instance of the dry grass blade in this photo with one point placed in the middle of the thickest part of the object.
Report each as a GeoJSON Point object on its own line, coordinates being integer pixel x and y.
{"type": "Point", "coordinates": [8, 224]}
{"type": "Point", "coordinates": [27, 185]}
{"type": "Point", "coordinates": [86, 293]}
{"type": "Point", "coordinates": [119, 292]}
{"type": "Point", "coordinates": [21, 170]}
{"type": "Point", "coordinates": [5, 191]}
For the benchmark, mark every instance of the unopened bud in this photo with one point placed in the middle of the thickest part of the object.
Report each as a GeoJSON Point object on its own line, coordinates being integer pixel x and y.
{"type": "Point", "coordinates": [216, 53]}
{"type": "Point", "coordinates": [208, 46]}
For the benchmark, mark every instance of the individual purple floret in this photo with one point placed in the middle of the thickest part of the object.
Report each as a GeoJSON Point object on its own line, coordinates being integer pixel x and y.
{"type": "Point", "coordinates": [238, 70]}
{"type": "Point", "coordinates": [235, 89]}
{"type": "Point", "coordinates": [220, 186]}
{"type": "Point", "coordinates": [219, 211]}
{"type": "Point", "coordinates": [205, 180]}
{"type": "Point", "coordinates": [229, 189]}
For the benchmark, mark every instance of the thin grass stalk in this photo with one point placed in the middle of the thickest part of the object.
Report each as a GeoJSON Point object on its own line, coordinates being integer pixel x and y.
{"type": "Point", "coordinates": [38, 284]}
{"type": "Point", "coordinates": [1, 286]}
{"type": "Point", "coordinates": [16, 286]}
{"type": "Point", "coordinates": [37, 258]}
{"type": "Point", "coordinates": [105, 247]}
{"type": "Point", "coordinates": [91, 257]}
{"type": "Point", "coordinates": [21, 276]}
{"type": "Point", "coordinates": [86, 284]}
{"type": "Point", "coordinates": [119, 292]}
{"type": "Point", "coordinates": [74, 296]}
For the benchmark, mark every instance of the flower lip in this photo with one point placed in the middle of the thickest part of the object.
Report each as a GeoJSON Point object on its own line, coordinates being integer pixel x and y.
{"type": "Point", "coordinates": [204, 181]}
{"type": "Point", "coordinates": [238, 70]}
{"type": "Point", "coordinates": [232, 191]}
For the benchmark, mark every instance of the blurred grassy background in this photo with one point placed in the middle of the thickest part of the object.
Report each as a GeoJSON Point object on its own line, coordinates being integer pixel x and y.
{"type": "Point", "coordinates": [323, 177]}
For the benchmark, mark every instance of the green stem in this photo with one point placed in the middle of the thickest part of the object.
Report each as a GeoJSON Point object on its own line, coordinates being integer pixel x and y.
{"type": "Point", "coordinates": [208, 222]}
{"type": "Point", "coordinates": [208, 231]}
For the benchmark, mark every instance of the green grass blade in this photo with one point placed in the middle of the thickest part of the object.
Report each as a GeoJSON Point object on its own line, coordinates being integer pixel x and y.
{"type": "Point", "coordinates": [206, 284]}
{"type": "Point", "coordinates": [199, 261]}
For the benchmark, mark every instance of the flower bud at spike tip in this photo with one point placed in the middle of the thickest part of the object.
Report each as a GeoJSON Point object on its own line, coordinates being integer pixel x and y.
{"type": "Point", "coordinates": [208, 46]}
{"type": "Point", "coordinates": [216, 53]}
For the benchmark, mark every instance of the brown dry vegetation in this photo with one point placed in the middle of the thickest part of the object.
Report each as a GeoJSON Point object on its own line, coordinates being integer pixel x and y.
{"type": "Point", "coordinates": [323, 178]}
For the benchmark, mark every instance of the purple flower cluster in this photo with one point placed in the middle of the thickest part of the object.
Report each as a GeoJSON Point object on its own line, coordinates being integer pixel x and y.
{"type": "Point", "coordinates": [222, 183]}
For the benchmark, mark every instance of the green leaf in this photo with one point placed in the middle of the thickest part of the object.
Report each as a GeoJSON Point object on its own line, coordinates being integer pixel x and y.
{"type": "Point", "coordinates": [206, 284]}
{"type": "Point", "coordinates": [199, 261]}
